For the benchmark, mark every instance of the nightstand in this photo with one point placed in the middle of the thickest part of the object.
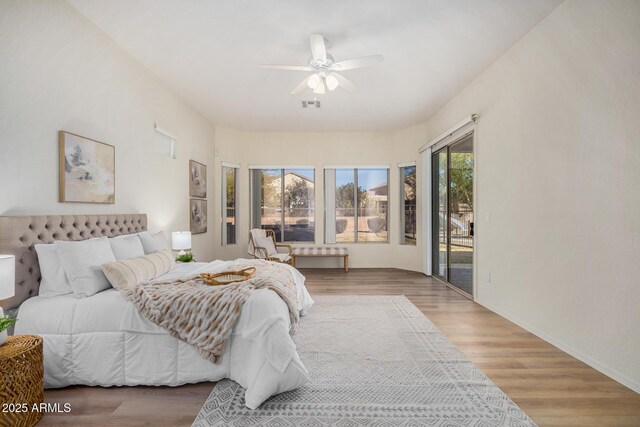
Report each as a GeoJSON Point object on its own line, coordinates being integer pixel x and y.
{"type": "Point", "coordinates": [21, 380]}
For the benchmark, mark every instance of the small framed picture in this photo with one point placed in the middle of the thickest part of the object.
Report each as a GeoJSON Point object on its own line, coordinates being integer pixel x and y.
{"type": "Point", "coordinates": [87, 170]}
{"type": "Point", "coordinates": [198, 216]}
{"type": "Point", "coordinates": [197, 179]}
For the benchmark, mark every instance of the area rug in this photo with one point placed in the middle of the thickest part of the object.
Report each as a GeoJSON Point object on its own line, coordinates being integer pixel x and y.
{"type": "Point", "coordinates": [373, 361]}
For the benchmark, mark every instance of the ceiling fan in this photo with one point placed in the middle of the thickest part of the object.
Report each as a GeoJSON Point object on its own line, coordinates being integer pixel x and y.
{"type": "Point", "coordinates": [324, 68]}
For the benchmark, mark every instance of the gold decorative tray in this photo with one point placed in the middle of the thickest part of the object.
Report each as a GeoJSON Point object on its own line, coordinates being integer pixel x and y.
{"type": "Point", "coordinates": [227, 277]}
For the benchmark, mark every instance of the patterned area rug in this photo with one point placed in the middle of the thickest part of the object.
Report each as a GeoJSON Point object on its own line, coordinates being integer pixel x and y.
{"type": "Point", "coordinates": [373, 361]}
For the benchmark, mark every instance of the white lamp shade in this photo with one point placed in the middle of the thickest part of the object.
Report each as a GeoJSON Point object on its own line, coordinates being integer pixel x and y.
{"type": "Point", "coordinates": [7, 276]}
{"type": "Point", "coordinates": [314, 81]}
{"type": "Point", "coordinates": [181, 240]}
{"type": "Point", "coordinates": [332, 82]}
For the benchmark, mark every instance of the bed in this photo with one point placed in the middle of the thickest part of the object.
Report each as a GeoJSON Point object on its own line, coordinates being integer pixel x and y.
{"type": "Point", "coordinates": [102, 340]}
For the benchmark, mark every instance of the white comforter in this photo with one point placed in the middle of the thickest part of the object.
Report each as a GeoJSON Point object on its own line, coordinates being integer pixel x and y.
{"type": "Point", "coordinates": [103, 340]}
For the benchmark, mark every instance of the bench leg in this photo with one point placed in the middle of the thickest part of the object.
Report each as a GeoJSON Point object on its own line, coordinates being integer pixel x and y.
{"type": "Point", "coordinates": [346, 263]}
{"type": "Point", "coordinates": [293, 260]}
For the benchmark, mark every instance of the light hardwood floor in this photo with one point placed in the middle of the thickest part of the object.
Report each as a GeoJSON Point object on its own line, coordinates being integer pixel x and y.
{"type": "Point", "coordinates": [554, 388]}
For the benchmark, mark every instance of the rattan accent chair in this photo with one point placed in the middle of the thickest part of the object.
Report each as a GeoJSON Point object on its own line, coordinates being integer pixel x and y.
{"type": "Point", "coordinates": [261, 252]}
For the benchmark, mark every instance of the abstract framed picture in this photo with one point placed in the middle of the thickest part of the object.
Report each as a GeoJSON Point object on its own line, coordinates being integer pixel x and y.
{"type": "Point", "coordinates": [198, 216]}
{"type": "Point", "coordinates": [87, 170]}
{"type": "Point", "coordinates": [197, 179]}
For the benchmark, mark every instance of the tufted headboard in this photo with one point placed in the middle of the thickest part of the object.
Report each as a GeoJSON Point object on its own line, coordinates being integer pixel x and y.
{"type": "Point", "coordinates": [18, 234]}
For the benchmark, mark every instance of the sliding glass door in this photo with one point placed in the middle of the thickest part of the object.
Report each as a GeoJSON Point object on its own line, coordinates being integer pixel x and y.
{"type": "Point", "coordinates": [452, 204]}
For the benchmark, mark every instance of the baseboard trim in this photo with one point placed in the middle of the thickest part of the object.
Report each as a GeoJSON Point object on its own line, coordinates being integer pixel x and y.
{"type": "Point", "coordinates": [614, 374]}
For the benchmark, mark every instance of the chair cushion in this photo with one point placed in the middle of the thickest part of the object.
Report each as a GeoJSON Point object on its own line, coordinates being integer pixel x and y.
{"type": "Point", "coordinates": [281, 257]}
{"type": "Point", "coordinates": [320, 251]}
{"type": "Point", "coordinates": [267, 243]}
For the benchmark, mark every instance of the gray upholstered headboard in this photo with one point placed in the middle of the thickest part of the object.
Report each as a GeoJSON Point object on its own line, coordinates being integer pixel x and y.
{"type": "Point", "coordinates": [18, 234]}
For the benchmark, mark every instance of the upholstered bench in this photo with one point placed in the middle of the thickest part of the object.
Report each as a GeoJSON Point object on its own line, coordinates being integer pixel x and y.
{"type": "Point", "coordinates": [321, 251]}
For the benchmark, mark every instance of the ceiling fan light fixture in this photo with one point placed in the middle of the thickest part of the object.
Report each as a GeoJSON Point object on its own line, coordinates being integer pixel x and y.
{"type": "Point", "coordinates": [314, 81]}
{"type": "Point", "coordinates": [320, 89]}
{"type": "Point", "coordinates": [332, 82]}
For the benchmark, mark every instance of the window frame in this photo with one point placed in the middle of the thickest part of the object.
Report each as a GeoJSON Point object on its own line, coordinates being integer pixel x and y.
{"type": "Point", "coordinates": [223, 228]}
{"type": "Point", "coordinates": [164, 138]}
{"type": "Point", "coordinates": [282, 169]}
{"type": "Point", "coordinates": [401, 204]}
{"type": "Point", "coordinates": [356, 216]}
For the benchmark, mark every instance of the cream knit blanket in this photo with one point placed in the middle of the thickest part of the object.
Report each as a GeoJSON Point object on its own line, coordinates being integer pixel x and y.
{"type": "Point", "coordinates": [204, 316]}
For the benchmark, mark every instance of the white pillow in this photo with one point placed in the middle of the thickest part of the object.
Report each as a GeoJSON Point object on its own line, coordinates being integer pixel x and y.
{"type": "Point", "coordinates": [82, 260]}
{"type": "Point", "coordinates": [267, 243]}
{"type": "Point", "coordinates": [128, 273]}
{"type": "Point", "coordinates": [54, 280]}
{"type": "Point", "coordinates": [125, 247]}
{"type": "Point", "coordinates": [153, 242]}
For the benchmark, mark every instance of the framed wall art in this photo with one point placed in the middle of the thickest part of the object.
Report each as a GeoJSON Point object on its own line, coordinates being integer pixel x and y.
{"type": "Point", "coordinates": [197, 179]}
{"type": "Point", "coordinates": [87, 170]}
{"type": "Point", "coordinates": [198, 216]}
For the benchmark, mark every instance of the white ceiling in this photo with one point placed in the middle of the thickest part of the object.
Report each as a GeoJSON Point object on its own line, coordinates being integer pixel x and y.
{"type": "Point", "coordinates": [208, 52]}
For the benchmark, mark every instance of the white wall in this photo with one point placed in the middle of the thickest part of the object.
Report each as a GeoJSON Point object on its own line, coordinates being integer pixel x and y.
{"type": "Point", "coordinates": [317, 149]}
{"type": "Point", "coordinates": [59, 72]}
{"type": "Point", "coordinates": [558, 170]}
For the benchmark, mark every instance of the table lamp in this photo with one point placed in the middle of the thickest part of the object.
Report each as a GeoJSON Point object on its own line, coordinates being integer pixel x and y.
{"type": "Point", "coordinates": [181, 241]}
{"type": "Point", "coordinates": [7, 285]}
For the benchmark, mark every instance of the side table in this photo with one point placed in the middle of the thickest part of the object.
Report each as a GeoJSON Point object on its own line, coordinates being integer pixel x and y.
{"type": "Point", "coordinates": [21, 380]}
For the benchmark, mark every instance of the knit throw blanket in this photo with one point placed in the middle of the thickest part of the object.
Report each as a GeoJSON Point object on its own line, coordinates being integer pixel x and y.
{"type": "Point", "coordinates": [204, 316]}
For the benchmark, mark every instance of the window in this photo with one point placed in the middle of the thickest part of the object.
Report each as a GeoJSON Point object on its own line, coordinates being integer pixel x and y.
{"type": "Point", "coordinates": [229, 204]}
{"type": "Point", "coordinates": [356, 201]}
{"type": "Point", "coordinates": [283, 200]}
{"type": "Point", "coordinates": [408, 204]}
{"type": "Point", "coordinates": [164, 142]}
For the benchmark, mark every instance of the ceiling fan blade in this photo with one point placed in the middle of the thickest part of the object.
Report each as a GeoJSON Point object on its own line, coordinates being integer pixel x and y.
{"type": "Point", "coordinates": [351, 64]}
{"type": "Point", "coordinates": [318, 49]}
{"type": "Point", "coordinates": [320, 89]}
{"type": "Point", "coordinates": [287, 67]}
{"type": "Point", "coordinates": [344, 82]}
{"type": "Point", "coordinates": [302, 86]}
